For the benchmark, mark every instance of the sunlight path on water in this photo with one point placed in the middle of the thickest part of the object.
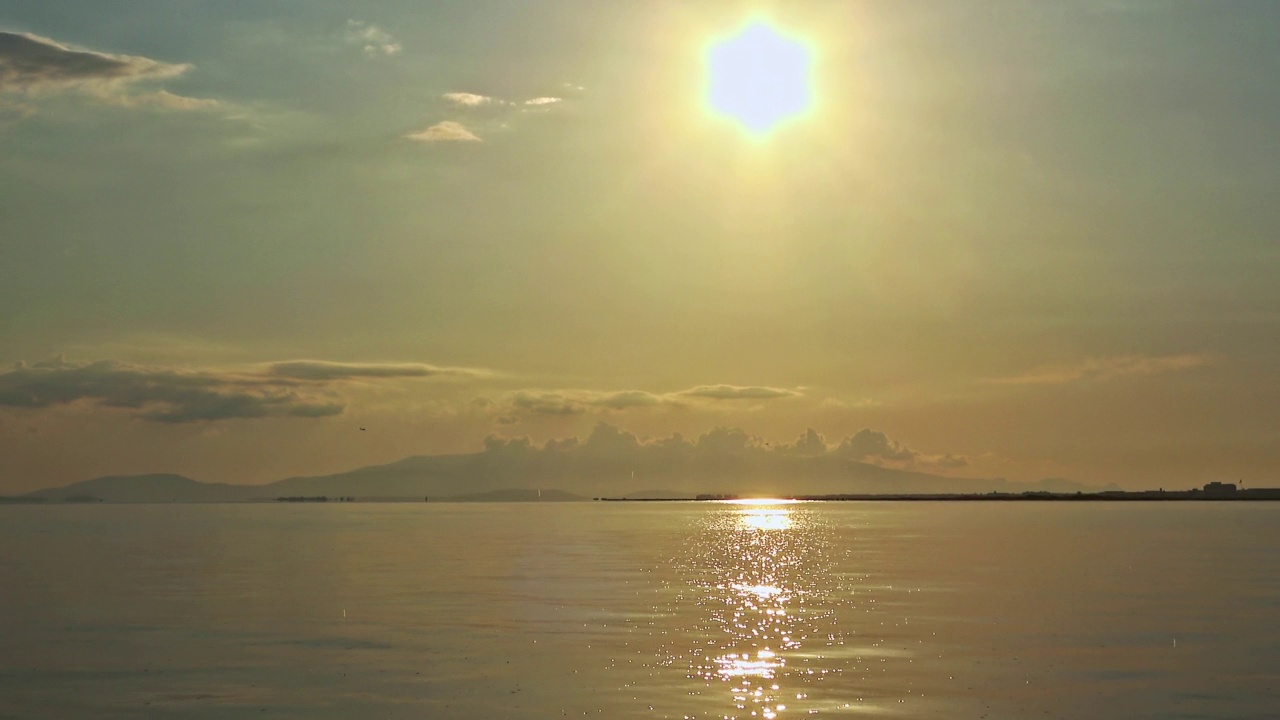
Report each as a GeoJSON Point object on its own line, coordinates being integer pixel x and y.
{"type": "Point", "coordinates": [762, 616]}
{"type": "Point", "coordinates": [647, 611]}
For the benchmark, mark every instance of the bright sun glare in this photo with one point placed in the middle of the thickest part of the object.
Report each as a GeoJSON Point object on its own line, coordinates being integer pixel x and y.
{"type": "Point", "coordinates": [759, 78]}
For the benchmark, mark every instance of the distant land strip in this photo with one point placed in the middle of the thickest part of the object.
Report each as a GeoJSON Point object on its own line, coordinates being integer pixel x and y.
{"type": "Point", "coordinates": [1260, 495]}
{"type": "Point", "coordinates": [1107, 496]}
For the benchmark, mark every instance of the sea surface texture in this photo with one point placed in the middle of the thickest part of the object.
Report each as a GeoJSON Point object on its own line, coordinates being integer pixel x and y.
{"type": "Point", "coordinates": [641, 610]}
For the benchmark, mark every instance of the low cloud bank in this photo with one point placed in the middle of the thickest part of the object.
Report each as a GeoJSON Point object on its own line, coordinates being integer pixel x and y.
{"type": "Point", "coordinates": [605, 440]}
{"type": "Point", "coordinates": [610, 461]}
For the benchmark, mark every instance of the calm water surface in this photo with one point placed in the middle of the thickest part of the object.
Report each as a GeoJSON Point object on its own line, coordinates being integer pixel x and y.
{"type": "Point", "coordinates": [641, 610]}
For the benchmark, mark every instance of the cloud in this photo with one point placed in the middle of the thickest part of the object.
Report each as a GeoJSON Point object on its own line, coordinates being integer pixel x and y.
{"type": "Point", "coordinates": [157, 394]}
{"type": "Point", "coordinates": [30, 62]}
{"type": "Point", "coordinates": [868, 447]}
{"type": "Point", "coordinates": [322, 370]}
{"type": "Point", "coordinates": [629, 399]}
{"type": "Point", "coordinates": [446, 131]}
{"type": "Point", "coordinates": [810, 444]}
{"type": "Point", "coordinates": [11, 111]}
{"type": "Point", "coordinates": [1102, 369]}
{"type": "Point", "coordinates": [577, 402]}
{"type": "Point", "coordinates": [580, 402]}
{"type": "Point", "coordinates": [467, 99]}
{"type": "Point", "coordinates": [734, 392]}
{"type": "Point", "coordinates": [547, 404]}
{"type": "Point", "coordinates": [163, 99]}
{"type": "Point", "coordinates": [870, 444]}
{"type": "Point", "coordinates": [298, 388]}
{"type": "Point", "coordinates": [843, 404]}
{"type": "Point", "coordinates": [722, 458]}
{"type": "Point", "coordinates": [372, 39]}
{"type": "Point", "coordinates": [942, 462]}
{"type": "Point", "coordinates": [476, 100]}
{"type": "Point", "coordinates": [35, 65]}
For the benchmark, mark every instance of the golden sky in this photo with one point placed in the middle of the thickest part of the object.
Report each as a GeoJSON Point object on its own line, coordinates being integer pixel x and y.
{"type": "Point", "coordinates": [1020, 239]}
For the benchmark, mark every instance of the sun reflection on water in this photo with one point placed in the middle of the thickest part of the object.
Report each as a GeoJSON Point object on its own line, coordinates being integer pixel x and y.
{"type": "Point", "coordinates": [766, 617]}
{"type": "Point", "coordinates": [766, 519]}
{"type": "Point", "coordinates": [755, 581]}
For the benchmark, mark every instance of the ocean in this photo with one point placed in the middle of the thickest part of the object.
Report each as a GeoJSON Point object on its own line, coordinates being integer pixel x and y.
{"type": "Point", "coordinates": [641, 610]}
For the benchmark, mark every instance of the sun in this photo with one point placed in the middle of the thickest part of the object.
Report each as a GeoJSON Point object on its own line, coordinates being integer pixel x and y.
{"type": "Point", "coordinates": [759, 78]}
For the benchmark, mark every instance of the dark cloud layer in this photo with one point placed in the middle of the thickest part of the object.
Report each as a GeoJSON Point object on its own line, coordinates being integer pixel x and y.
{"type": "Point", "coordinates": [301, 388]}
{"type": "Point", "coordinates": [320, 370]}
{"type": "Point", "coordinates": [31, 62]}
{"type": "Point", "coordinates": [159, 394]}
{"type": "Point", "coordinates": [578, 402]}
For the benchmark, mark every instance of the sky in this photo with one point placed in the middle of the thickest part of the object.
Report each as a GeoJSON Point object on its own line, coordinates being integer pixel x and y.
{"type": "Point", "coordinates": [1013, 239]}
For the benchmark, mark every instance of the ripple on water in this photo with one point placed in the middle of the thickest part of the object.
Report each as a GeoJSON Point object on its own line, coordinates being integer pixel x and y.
{"type": "Point", "coordinates": [759, 627]}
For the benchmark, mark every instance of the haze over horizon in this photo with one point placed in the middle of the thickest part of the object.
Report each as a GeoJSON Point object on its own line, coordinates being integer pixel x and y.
{"type": "Point", "coordinates": [1008, 240]}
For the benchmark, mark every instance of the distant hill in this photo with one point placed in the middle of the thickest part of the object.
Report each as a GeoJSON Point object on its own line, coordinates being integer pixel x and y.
{"type": "Point", "coordinates": [581, 473]}
{"type": "Point", "coordinates": [146, 489]}
{"type": "Point", "coordinates": [83, 499]}
{"type": "Point", "coordinates": [419, 475]}
{"type": "Point", "coordinates": [607, 464]}
{"type": "Point", "coordinates": [462, 478]}
{"type": "Point", "coordinates": [20, 500]}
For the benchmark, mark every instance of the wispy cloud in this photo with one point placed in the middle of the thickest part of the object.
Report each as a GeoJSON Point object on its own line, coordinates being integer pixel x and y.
{"type": "Point", "coordinates": [467, 99]}
{"type": "Point", "coordinates": [737, 392]}
{"type": "Point", "coordinates": [35, 65]}
{"type": "Point", "coordinates": [372, 39]}
{"type": "Point", "coordinates": [163, 99]}
{"type": "Point", "coordinates": [1102, 369]}
{"type": "Point", "coordinates": [298, 388]}
{"type": "Point", "coordinates": [323, 370]}
{"type": "Point", "coordinates": [847, 404]}
{"type": "Point", "coordinates": [942, 462]}
{"type": "Point", "coordinates": [493, 112]}
{"type": "Point", "coordinates": [472, 100]}
{"type": "Point", "coordinates": [578, 402]}
{"type": "Point", "coordinates": [158, 394]}
{"type": "Point", "coordinates": [446, 131]}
